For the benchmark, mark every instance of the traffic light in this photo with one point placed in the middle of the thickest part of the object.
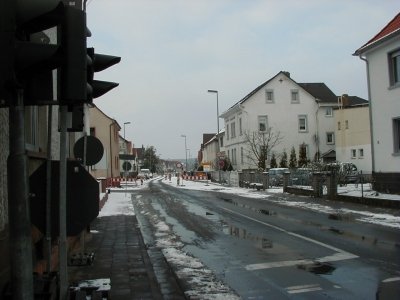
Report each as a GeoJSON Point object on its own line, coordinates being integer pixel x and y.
{"type": "Point", "coordinates": [96, 63]}
{"type": "Point", "coordinates": [73, 88]}
{"type": "Point", "coordinates": [25, 54]}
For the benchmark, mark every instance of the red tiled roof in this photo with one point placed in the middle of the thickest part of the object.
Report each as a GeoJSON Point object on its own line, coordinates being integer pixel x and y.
{"type": "Point", "coordinates": [391, 27]}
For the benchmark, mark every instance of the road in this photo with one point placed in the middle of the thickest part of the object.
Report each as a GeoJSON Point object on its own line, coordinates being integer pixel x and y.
{"type": "Point", "coordinates": [258, 249]}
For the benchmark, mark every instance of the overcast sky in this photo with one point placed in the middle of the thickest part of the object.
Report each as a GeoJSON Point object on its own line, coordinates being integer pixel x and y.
{"type": "Point", "coordinates": [173, 51]}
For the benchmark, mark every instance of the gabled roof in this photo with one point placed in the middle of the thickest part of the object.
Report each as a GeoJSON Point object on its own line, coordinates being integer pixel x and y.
{"type": "Point", "coordinates": [390, 30]}
{"type": "Point", "coordinates": [318, 90]}
{"type": "Point", "coordinates": [356, 101]}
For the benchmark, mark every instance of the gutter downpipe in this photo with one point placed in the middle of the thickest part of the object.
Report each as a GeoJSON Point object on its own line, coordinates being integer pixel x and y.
{"type": "Point", "coordinates": [370, 112]}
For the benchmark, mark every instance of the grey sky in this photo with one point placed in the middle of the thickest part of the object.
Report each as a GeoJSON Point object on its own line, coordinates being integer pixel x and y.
{"type": "Point", "coordinates": [173, 51]}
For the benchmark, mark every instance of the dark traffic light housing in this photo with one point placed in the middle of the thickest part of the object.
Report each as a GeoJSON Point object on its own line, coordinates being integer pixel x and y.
{"type": "Point", "coordinates": [25, 54]}
{"type": "Point", "coordinates": [27, 59]}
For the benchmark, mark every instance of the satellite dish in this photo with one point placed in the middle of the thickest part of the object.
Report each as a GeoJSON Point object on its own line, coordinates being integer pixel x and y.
{"type": "Point", "coordinates": [94, 150]}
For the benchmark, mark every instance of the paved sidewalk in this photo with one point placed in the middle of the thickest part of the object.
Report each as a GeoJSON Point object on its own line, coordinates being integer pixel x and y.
{"type": "Point", "coordinates": [121, 256]}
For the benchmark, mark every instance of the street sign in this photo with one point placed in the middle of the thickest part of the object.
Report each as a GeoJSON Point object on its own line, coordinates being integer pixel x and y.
{"type": "Point", "coordinates": [126, 166]}
{"type": "Point", "coordinates": [178, 165]}
{"type": "Point", "coordinates": [221, 163]}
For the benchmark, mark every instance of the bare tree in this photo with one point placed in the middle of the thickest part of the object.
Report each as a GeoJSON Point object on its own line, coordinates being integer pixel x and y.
{"type": "Point", "coordinates": [260, 146]}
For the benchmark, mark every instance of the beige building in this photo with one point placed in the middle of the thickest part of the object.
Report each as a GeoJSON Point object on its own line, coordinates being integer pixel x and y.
{"type": "Point", "coordinates": [352, 133]}
{"type": "Point", "coordinates": [106, 129]}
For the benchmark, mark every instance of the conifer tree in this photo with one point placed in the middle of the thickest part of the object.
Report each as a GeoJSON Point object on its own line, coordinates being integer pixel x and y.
{"type": "Point", "coordinates": [293, 159]}
{"type": "Point", "coordinates": [302, 156]}
{"type": "Point", "coordinates": [283, 163]}
{"type": "Point", "coordinates": [273, 161]}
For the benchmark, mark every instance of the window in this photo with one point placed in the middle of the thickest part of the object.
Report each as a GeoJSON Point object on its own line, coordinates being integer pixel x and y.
{"type": "Point", "coordinates": [241, 155]}
{"type": "Point", "coordinates": [262, 123]}
{"type": "Point", "coordinates": [295, 96]}
{"type": "Point", "coordinates": [234, 156]}
{"type": "Point", "coordinates": [394, 68]}
{"type": "Point", "coordinates": [31, 128]}
{"type": "Point", "coordinates": [221, 141]}
{"type": "Point", "coordinates": [353, 153]}
{"type": "Point", "coordinates": [328, 112]}
{"type": "Point", "coordinates": [303, 123]}
{"type": "Point", "coordinates": [227, 131]}
{"type": "Point", "coordinates": [338, 125]}
{"type": "Point", "coordinates": [240, 127]}
{"type": "Point", "coordinates": [269, 96]}
{"type": "Point", "coordinates": [330, 138]}
{"type": "Point", "coordinates": [396, 135]}
{"type": "Point", "coordinates": [361, 153]}
{"type": "Point", "coordinates": [233, 130]}
{"type": "Point", "coordinates": [347, 124]}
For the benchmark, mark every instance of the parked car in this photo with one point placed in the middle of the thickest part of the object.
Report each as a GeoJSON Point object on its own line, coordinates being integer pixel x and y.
{"type": "Point", "coordinates": [346, 172]}
{"type": "Point", "coordinates": [276, 176]}
{"type": "Point", "coordinates": [301, 176]}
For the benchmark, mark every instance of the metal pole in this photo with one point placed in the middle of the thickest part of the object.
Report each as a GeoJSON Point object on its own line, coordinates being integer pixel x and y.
{"type": "Point", "coordinates": [217, 136]}
{"type": "Point", "coordinates": [18, 205]}
{"type": "Point", "coordinates": [48, 189]}
{"type": "Point", "coordinates": [62, 208]}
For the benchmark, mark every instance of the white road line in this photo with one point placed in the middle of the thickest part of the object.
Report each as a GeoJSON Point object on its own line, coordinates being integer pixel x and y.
{"type": "Point", "coordinates": [297, 289]}
{"type": "Point", "coordinates": [340, 255]}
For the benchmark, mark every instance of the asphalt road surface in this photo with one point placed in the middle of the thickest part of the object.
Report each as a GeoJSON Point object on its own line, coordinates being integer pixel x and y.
{"type": "Point", "coordinates": [263, 250]}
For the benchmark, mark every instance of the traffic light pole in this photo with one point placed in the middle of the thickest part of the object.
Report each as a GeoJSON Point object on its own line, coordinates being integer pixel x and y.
{"type": "Point", "coordinates": [18, 196]}
{"type": "Point", "coordinates": [63, 270]}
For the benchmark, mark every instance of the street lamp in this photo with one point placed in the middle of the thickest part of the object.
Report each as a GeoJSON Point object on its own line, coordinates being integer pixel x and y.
{"type": "Point", "coordinates": [125, 150]}
{"type": "Point", "coordinates": [218, 149]}
{"type": "Point", "coordinates": [184, 136]}
{"type": "Point", "coordinates": [125, 123]}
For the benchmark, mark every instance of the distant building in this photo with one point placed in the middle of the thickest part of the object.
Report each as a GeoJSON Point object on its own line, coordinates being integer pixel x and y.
{"type": "Point", "coordinates": [106, 129]}
{"type": "Point", "coordinates": [382, 57]}
{"type": "Point", "coordinates": [302, 113]}
{"type": "Point", "coordinates": [352, 133]}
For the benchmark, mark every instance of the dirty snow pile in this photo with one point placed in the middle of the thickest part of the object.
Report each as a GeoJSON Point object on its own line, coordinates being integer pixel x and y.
{"type": "Point", "coordinates": [200, 282]}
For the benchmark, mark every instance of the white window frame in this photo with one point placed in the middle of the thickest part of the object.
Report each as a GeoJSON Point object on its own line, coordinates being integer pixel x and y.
{"type": "Point", "coordinates": [269, 96]}
{"type": "Point", "coordinates": [396, 136]}
{"type": "Point", "coordinates": [332, 135]}
{"type": "Point", "coordinates": [233, 130]}
{"type": "Point", "coordinates": [360, 153]}
{"type": "Point", "coordinates": [262, 120]}
{"type": "Point", "coordinates": [294, 96]}
{"type": "Point", "coordinates": [329, 111]}
{"type": "Point", "coordinates": [353, 153]}
{"type": "Point", "coordinates": [300, 118]}
{"type": "Point", "coordinates": [394, 68]}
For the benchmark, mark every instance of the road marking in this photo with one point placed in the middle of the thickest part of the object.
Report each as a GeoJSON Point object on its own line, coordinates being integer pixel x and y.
{"type": "Point", "coordinates": [340, 255]}
{"type": "Point", "coordinates": [391, 279]}
{"type": "Point", "coordinates": [297, 289]}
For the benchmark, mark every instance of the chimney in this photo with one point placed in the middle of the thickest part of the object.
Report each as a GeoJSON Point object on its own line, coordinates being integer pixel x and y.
{"type": "Point", "coordinates": [286, 73]}
{"type": "Point", "coordinates": [345, 100]}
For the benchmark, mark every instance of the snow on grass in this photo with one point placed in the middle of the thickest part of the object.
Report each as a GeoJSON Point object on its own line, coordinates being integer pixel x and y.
{"type": "Point", "coordinates": [387, 220]}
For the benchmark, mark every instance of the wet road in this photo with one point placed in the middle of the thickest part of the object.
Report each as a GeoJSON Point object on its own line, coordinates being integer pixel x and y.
{"type": "Point", "coordinates": [267, 251]}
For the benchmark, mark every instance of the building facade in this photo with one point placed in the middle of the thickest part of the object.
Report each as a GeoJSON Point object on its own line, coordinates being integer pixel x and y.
{"type": "Point", "coordinates": [352, 133]}
{"type": "Point", "coordinates": [106, 129]}
{"type": "Point", "coordinates": [294, 113]}
{"type": "Point", "coordinates": [382, 57]}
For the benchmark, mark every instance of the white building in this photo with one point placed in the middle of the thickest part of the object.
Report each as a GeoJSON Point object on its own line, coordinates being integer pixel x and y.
{"type": "Point", "coordinates": [302, 113]}
{"type": "Point", "coordinates": [382, 57]}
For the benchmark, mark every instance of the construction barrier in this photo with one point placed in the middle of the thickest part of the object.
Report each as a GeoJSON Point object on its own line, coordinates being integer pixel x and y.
{"type": "Point", "coordinates": [194, 178]}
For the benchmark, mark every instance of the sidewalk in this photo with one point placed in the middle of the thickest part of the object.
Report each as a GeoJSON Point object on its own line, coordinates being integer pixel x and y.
{"type": "Point", "coordinates": [121, 257]}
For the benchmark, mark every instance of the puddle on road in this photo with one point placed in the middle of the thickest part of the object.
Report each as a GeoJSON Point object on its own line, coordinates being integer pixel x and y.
{"type": "Point", "coordinates": [243, 234]}
{"type": "Point", "coordinates": [258, 210]}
